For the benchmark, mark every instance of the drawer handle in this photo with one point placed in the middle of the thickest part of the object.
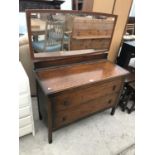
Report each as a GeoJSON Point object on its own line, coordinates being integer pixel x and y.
{"type": "Point", "coordinates": [66, 103]}
{"type": "Point", "coordinates": [114, 87]}
{"type": "Point", "coordinates": [109, 101]}
{"type": "Point", "coordinates": [63, 118]}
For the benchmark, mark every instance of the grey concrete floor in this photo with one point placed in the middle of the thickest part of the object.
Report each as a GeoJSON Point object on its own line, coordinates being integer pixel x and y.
{"type": "Point", "coordinates": [100, 134]}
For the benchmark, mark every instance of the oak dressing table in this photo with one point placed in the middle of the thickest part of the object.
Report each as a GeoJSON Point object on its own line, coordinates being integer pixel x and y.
{"type": "Point", "coordinates": [75, 84]}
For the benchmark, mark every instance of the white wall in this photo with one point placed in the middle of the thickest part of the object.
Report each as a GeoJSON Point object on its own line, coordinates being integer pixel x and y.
{"type": "Point", "coordinates": [22, 23]}
{"type": "Point", "coordinates": [132, 11]}
{"type": "Point", "coordinates": [67, 5]}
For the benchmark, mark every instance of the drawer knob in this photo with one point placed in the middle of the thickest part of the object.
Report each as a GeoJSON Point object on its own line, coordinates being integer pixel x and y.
{"type": "Point", "coordinates": [66, 103]}
{"type": "Point", "coordinates": [114, 87]}
{"type": "Point", "coordinates": [109, 101]}
{"type": "Point", "coordinates": [63, 118]}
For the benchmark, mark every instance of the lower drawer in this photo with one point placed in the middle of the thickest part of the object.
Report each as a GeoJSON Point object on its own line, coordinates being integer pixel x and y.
{"type": "Point", "coordinates": [25, 121]}
{"type": "Point", "coordinates": [24, 112]}
{"type": "Point", "coordinates": [70, 115]}
{"type": "Point", "coordinates": [25, 130]}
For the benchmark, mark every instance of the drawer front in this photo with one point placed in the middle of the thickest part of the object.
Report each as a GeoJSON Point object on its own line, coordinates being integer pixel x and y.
{"type": "Point", "coordinates": [24, 112]}
{"type": "Point", "coordinates": [75, 113]}
{"type": "Point", "coordinates": [24, 100]}
{"type": "Point", "coordinates": [25, 130]}
{"type": "Point", "coordinates": [25, 121]}
{"type": "Point", "coordinates": [76, 97]}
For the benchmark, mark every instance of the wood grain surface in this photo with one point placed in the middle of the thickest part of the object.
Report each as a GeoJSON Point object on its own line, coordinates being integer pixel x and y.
{"type": "Point", "coordinates": [58, 79]}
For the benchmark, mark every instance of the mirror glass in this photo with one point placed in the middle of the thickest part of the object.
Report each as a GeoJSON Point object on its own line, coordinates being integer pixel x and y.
{"type": "Point", "coordinates": [57, 33]}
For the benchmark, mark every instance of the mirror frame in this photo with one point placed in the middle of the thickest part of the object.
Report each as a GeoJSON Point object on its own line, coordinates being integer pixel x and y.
{"type": "Point", "coordinates": [51, 56]}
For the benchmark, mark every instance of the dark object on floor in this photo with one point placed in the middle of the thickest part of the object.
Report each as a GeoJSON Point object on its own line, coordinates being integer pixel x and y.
{"type": "Point", "coordinates": [127, 52]}
{"type": "Point", "coordinates": [128, 94]}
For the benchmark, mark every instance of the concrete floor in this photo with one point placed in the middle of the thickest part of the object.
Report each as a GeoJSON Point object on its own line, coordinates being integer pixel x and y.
{"type": "Point", "coordinates": [100, 134]}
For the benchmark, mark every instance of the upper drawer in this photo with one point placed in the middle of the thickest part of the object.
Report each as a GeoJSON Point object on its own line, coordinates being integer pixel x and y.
{"type": "Point", "coordinates": [78, 96]}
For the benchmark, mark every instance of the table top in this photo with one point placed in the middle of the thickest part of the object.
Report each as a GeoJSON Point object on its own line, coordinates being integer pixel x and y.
{"type": "Point", "coordinates": [54, 80]}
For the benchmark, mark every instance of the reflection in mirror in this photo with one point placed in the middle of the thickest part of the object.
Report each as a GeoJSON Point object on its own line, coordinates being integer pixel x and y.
{"type": "Point", "coordinates": [59, 31]}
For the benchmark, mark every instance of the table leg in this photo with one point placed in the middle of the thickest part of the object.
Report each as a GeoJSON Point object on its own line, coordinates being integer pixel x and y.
{"type": "Point", "coordinates": [37, 87]}
{"type": "Point", "coordinates": [118, 98]}
{"type": "Point", "coordinates": [113, 111]}
{"type": "Point", "coordinates": [49, 106]}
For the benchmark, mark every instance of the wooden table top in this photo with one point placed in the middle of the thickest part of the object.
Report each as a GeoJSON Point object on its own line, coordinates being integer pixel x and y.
{"type": "Point", "coordinates": [54, 80]}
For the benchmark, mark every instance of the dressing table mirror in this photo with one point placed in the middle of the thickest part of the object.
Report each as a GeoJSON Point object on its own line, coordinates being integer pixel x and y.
{"type": "Point", "coordinates": [58, 34]}
{"type": "Point", "coordinates": [74, 79]}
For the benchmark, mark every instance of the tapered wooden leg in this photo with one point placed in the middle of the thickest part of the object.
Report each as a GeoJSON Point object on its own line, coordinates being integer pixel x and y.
{"type": "Point", "coordinates": [113, 111]}
{"type": "Point", "coordinates": [49, 137]}
{"type": "Point", "coordinates": [49, 106]}
{"type": "Point", "coordinates": [40, 116]}
{"type": "Point", "coordinates": [37, 87]}
{"type": "Point", "coordinates": [118, 98]}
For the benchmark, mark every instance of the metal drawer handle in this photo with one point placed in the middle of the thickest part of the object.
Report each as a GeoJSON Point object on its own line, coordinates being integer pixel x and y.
{"type": "Point", "coordinates": [66, 103]}
{"type": "Point", "coordinates": [114, 87]}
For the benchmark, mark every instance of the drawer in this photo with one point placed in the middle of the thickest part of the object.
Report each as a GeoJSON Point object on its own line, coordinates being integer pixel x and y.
{"type": "Point", "coordinates": [85, 109]}
{"type": "Point", "coordinates": [24, 100]}
{"type": "Point", "coordinates": [24, 112]}
{"type": "Point", "coordinates": [25, 130]}
{"type": "Point", "coordinates": [25, 121]}
{"type": "Point", "coordinates": [76, 97]}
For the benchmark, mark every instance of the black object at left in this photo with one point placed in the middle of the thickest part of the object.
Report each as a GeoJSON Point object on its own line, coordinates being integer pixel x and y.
{"type": "Point", "coordinates": [39, 4]}
{"type": "Point", "coordinates": [127, 52]}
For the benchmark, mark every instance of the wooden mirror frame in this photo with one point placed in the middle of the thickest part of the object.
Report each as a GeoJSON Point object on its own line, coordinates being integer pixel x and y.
{"type": "Point", "coordinates": [53, 57]}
